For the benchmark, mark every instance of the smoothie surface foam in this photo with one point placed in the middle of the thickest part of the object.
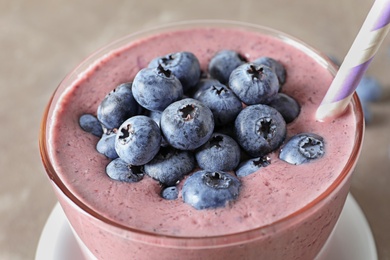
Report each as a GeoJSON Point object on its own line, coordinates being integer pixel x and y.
{"type": "Point", "coordinates": [267, 196]}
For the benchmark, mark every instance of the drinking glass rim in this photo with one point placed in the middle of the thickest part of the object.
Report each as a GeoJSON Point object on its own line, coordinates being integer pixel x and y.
{"type": "Point", "coordinates": [217, 240]}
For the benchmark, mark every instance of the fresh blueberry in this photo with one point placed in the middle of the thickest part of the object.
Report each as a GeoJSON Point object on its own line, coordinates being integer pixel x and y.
{"type": "Point", "coordinates": [91, 124]}
{"type": "Point", "coordinates": [208, 189]}
{"type": "Point", "coordinates": [138, 140]}
{"type": "Point", "coordinates": [170, 165]}
{"type": "Point", "coordinates": [156, 88]}
{"type": "Point", "coordinates": [366, 112]}
{"type": "Point", "coordinates": [184, 65]}
{"type": "Point", "coordinates": [119, 170]}
{"type": "Point", "coordinates": [220, 153]}
{"type": "Point", "coordinates": [260, 129]}
{"type": "Point", "coordinates": [252, 165]}
{"type": "Point", "coordinates": [254, 84]}
{"type": "Point", "coordinates": [187, 124]}
{"type": "Point", "coordinates": [223, 63]}
{"type": "Point", "coordinates": [369, 89]}
{"type": "Point", "coordinates": [302, 148]}
{"type": "Point", "coordinates": [205, 84]}
{"type": "Point", "coordinates": [106, 145]}
{"type": "Point", "coordinates": [117, 106]}
{"type": "Point", "coordinates": [275, 65]}
{"type": "Point", "coordinates": [156, 116]}
{"type": "Point", "coordinates": [170, 193]}
{"type": "Point", "coordinates": [286, 105]}
{"type": "Point", "coordinates": [224, 104]}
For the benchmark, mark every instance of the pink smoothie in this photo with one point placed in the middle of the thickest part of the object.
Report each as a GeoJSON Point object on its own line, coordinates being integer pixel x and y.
{"type": "Point", "coordinates": [268, 196]}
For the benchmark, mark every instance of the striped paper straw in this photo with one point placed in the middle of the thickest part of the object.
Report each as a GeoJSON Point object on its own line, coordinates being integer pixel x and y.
{"type": "Point", "coordinates": [356, 62]}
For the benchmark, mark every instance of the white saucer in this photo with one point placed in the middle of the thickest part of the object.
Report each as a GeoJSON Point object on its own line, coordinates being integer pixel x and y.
{"type": "Point", "coordinates": [351, 239]}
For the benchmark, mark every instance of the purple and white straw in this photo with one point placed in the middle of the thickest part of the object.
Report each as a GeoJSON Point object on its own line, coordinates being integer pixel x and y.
{"type": "Point", "coordinates": [356, 62]}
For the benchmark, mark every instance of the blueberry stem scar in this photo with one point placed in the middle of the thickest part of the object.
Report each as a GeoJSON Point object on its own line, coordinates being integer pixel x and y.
{"type": "Point", "coordinates": [188, 112]}
{"type": "Point", "coordinates": [262, 161]}
{"type": "Point", "coordinates": [266, 128]}
{"type": "Point", "coordinates": [216, 141]}
{"type": "Point", "coordinates": [216, 180]}
{"type": "Point", "coordinates": [125, 132]}
{"type": "Point", "coordinates": [166, 72]}
{"type": "Point", "coordinates": [255, 72]}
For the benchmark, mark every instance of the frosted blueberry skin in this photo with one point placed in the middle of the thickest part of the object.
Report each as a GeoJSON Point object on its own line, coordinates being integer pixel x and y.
{"type": "Point", "coordinates": [208, 189]}
{"type": "Point", "coordinates": [220, 153]}
{"type": "Point", "coordinates": [156, 116]}
{"type": "Point", "coordinates": [187, 124]}
{"type": "Point", "coordinates": [184, 65]}
{"type": "Point", "coordinates": [204, 84]}
{"type": "Point", "coordinates": [138, 140]}
{"type": "Point", "coordinates": [170, 165]}
{"type": "Point", "coordinates": [170, 193]}
{"type": "Point", "coordinates": [254, 84]}
{"type": "Point", "coordinates": [106, 145]}
{"type": "Point", "coordinates": [117, 106]}
{"type": "Point", "coordinates": [91, 124]}
{"type": "Point", "coordinates": [287, 106]}
{"type": "Point", "coordinates": [119, 170]}
{"type": "Point", "coordinates": [302, 148]}
{"type": "Point", "coordinates": [276, 66]}
{"type": "Point", "coordinates": [259, 129]}
{"type": "Point", "coordinates": [224, 104]}
{"type": "Point", "coordinates": [369, 89]}
{"type": "Point", "coordinates": [252, 165]}
{"type": "Point", "coordinates": [223, 63]}
{"type": "Point", "coordinates": [156, 88]}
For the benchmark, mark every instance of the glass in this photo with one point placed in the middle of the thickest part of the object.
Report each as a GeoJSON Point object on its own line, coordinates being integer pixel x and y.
{"type": "Point", "coordinates": [276, 241]}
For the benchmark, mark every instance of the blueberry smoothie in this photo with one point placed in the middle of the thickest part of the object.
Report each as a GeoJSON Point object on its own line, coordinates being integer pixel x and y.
{"type": "Point", "coordinates": [283, 207]}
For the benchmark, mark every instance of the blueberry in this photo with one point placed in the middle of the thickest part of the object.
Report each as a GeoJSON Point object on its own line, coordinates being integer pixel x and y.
{"type": "Point", "coordinates": [259, 129]}
{"type": "Point", "coordinates": [366, 112]}
{"type": "Point", "coordinates": [91, 124]}
{"type": "Point", "coordinates": [224, 104]}
{"type": "Point", "coordinates": [156, 88]}
{"type": "Point", "coordinates": [170, 165]}
{"type": "Point", "coordinates": [170, 193]}
{"type": "Point", "coordinates": [369, 89]}
{"type": "Point", "coordinates": [254, 84]}
{"type": "Point", "coordinates": [220, 153]}
{"type": "Point", "coordinates": [302, 148]}
{"type": "Point", "coordinates": [275, 65]}
{"type": "Point", "coordinates": [287, 106]}
{"type": "Point", "coordinates": [223, 63]}
{"type": "Point", "coordinates": [184, 65]}
{"type": "Point", "coordinates": [187, 124]}
{"type": "Point", "coordinates": [117, 106]}
{"type": "Point", "coordinates": [119, 170]}
{"type": "Point", "coordinates": [252, 165]}
{"type": "Point", "coordinates": [138, 140]}
{"type": "Point", "coordinates": [205, 84]}
{"type": "Point", "coordinates": [156, 116]}
{"type": "Point", "coordinates": [106, 145]}
{"type": "Point", "coordinates": [208, 189]}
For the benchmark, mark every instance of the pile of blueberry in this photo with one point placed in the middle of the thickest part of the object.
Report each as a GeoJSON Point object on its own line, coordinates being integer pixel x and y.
{"type": "Point", "coordinates": [217, 126]}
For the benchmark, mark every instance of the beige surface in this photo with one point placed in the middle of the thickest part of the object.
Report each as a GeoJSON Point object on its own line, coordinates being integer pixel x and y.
{"type": "Point", "coordinates": [41, 40]}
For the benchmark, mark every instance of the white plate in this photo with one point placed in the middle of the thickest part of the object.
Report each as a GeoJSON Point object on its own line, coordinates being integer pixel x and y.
{"type": "Point", "coordinates": [351, 239]}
